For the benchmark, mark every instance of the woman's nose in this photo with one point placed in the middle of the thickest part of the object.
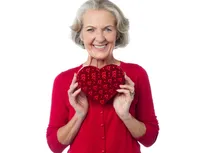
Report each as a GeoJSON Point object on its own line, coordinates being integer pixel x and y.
{"type": "Point", "coordinates": [100, 36]}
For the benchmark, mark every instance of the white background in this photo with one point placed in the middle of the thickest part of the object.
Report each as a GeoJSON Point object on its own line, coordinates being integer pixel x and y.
{"type": "Point", "coordinates": [35, 47]}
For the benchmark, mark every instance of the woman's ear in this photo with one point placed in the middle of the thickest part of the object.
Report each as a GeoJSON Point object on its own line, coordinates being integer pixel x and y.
{"type": "Point", "coordinates": [118, 35]}
{"type": "Point", "coordinates": [81, 36]}
{"type": "Point", "coordinates": [81, 39]}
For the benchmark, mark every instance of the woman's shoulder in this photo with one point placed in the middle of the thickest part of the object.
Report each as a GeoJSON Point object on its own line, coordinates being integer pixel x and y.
{"type": "Point", "coordinates": [71, 71]}
{"type": "Point", "coordinates": [132, 67]}
{"type": "Point", "coordinates": [68, 74]}
{"type": "Point", "coordinates": [135, 71]}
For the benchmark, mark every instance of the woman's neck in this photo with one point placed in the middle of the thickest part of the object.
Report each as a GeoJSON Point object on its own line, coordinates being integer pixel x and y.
{"type": "Point", "coordinates": [101, 63]}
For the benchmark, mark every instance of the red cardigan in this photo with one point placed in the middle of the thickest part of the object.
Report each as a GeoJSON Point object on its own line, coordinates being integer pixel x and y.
{"type": "Point", "coordinates": [102, 131]}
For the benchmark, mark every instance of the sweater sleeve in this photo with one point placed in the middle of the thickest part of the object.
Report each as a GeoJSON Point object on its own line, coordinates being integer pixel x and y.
{"type": "Point", "coordinates": [58, 115]}
{"type": "Point", "coordinates": [145, 110]}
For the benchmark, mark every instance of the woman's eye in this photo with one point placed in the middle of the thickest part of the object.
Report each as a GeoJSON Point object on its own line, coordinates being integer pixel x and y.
{"type": "Point", "coordinates": [108, 29]}
{"type": "Point", "coordinates": [90, 30]}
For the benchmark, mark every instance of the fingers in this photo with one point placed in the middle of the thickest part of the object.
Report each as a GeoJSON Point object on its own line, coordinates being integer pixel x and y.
{"type": "Point", "coordinates": [129, 84]}
{"type": "Point", "coordinates": [74, 79]}
{"type": "Point", "coordinates": [128, 87]}
{"type": "Point", "coordinates": [129, 81]}
{"type": "Point", "coordinates": [123, 91]}
{"type": "Point", "coordinates": [126, 92]}
{"type": "Point", "coordinates": [76, 92]}
{"type": "Point", "coordinates": [73, 85]}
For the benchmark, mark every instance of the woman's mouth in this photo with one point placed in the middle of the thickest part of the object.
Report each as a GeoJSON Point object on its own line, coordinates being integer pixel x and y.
{"type": "Point", "coordinates": [99, 46]}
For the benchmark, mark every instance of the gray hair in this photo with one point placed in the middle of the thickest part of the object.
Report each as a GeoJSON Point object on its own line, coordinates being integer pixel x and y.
{"type": "Point", "coordinates": [122, 23]}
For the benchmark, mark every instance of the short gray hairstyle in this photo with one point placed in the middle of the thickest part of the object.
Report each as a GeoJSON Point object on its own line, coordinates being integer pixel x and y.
{"type": "Point", "coordinates": [122, 23]}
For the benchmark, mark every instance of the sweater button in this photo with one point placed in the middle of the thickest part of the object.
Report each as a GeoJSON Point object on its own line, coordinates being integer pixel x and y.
{"type": "Point", "coordinates": [103, 151]}
{"type": "Point", "coordinates": [102, 125]}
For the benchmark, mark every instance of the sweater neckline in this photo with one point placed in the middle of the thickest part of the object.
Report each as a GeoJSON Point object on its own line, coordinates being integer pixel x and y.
{"type": "Point", "coordinates": [120, 65]}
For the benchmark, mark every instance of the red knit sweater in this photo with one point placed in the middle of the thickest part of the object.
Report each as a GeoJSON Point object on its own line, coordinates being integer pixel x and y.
{"type": "Point", "coordinates": [102, 131]}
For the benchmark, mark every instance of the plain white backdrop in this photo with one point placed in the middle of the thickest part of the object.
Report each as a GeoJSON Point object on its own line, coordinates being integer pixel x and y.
{"type": "Point", "coordinates": [35, 46]}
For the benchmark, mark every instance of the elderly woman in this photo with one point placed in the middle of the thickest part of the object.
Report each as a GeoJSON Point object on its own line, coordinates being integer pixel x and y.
{"type": "Point", "coordinates": [123, 122]}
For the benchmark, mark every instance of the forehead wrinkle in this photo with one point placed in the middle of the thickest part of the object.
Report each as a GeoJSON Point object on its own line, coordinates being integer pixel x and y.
{"type": "Point", "coordinates": [107, 26]}
{"type": "Point", "coordinates": [94, 18]}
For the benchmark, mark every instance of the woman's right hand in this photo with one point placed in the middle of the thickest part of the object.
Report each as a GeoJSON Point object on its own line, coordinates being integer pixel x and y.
{"type": "Point", "coordinates": [77, 99]}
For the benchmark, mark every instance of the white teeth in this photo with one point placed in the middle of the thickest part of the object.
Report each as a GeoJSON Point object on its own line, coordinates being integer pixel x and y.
{"type": "Point", "coordinates": [100, 46]}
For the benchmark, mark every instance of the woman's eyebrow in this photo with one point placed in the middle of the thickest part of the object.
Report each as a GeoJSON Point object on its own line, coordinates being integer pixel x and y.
{"type": "Point", "coordinates": [108, 26]}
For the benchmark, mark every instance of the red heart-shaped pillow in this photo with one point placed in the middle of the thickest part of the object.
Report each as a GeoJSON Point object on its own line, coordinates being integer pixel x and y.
{"type": "Point", "coordinates": [100, 84]}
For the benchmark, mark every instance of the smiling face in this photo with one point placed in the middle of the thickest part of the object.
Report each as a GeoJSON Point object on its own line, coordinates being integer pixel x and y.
{"type": "Point", "coordinates": [99, 34]}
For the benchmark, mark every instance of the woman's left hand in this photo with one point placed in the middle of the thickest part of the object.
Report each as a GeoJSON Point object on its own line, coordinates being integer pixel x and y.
{"type": "Point", "coordinates": [124, 98]}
